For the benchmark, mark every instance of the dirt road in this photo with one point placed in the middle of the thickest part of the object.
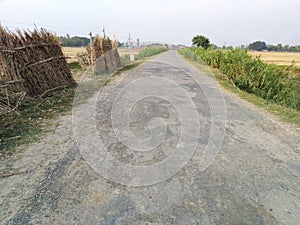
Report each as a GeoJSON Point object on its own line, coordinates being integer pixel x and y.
{"type": "Point", "coordinates": [161, 144]}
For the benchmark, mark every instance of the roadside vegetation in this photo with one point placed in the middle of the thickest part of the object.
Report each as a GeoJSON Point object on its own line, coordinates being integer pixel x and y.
{"type": "Point", "coordinates": [142, 55]}
{"type": "Point", "coordinates": [272, 87]}
{"type": "Point", "coordinates": [148, 52]}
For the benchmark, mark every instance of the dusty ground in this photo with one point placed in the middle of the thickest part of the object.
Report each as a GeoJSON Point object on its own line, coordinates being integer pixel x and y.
{"type": "Point", "coordinates": [254, 178]}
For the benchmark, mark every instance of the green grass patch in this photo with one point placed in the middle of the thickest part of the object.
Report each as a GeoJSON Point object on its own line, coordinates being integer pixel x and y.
{"type": "Point", "coordinates": [125, 59]}
{"type": "Point", "coordinates": [283, 112]}
{"type": "Point", "coordinates": [148, 52]}
{"type": "Point", "coordinates": [75, 66]}
{"type": "Point", "coordinates": [142, 55]}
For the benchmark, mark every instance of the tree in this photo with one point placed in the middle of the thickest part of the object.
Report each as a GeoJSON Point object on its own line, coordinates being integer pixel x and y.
{"type": "Point", "coordinates": [273, 48]}
{"type": "Point", "coordinates": [74, 41]}
{"type": "Point", "coordinates": [121, 44]}
{"type": "Point", "coordinates": [258, 46]}
{"type": "Point", "coordinates": [201, 41]}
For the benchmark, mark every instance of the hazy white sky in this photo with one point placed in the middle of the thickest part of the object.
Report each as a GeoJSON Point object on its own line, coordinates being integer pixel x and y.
{"type": "Point", "coordinates": [235, 22]}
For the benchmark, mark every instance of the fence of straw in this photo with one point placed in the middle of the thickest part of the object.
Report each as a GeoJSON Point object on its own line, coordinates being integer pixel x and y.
{"type": "Point", "coordinates": [31, 62]}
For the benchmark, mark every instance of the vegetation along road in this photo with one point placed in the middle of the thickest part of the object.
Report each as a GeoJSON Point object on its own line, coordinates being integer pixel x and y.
{"type": "Point", "coordinates": [159, 144]}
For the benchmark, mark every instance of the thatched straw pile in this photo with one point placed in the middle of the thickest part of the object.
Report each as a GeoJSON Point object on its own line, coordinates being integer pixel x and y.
{"type": "Point", "coordinates": [104, 55]}
{"type": "Point", "coordinates": [9, 100]}
{"type": "Point", "coordinates": [33, 62]}
{"type": "Point", "coordinates": [100, 47]}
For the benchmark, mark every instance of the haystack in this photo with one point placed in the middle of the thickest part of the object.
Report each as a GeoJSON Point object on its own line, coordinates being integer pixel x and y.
{"type": "Point", "coordinates": [104, 54]}
{"type": "Point", "coordinates": [32, 62]}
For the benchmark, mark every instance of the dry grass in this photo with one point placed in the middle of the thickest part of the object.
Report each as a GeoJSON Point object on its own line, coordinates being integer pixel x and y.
{"type": "Point", "coordinates": [125, 51]}
{"type": "Point", "coordinates": [72, 52]}
{"type": "Point", "coordinates": [279, 58]}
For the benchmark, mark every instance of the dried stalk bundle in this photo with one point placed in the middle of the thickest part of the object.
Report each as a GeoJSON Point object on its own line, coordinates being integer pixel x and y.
{"type": "Point", "coordinates": [106, 45]}
{"type": "Point", "coordinates": [100, 47]}
{"type": "Point", "coordinates": [35, 58]}
{"type": "Point", "coordinates": [9, 100]}
{"type": "Point", "coordinates": [114, 43]}
{"type": "Point", "coordinates": [84, 59]}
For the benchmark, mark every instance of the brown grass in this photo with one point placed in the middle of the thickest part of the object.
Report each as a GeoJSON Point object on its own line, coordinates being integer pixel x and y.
{"type": "Point", "coordinates": [125, 51]}
{"type": "Point", "coordinates": [279, 58]}
{"type": "Point", "coordinates": [72, 52]}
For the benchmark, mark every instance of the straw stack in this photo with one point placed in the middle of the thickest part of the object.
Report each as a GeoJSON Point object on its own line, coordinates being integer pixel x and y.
{"type": "Point", "coordinates": [34, 58]}
{"type": "Point", "coordinates": [31, 63]}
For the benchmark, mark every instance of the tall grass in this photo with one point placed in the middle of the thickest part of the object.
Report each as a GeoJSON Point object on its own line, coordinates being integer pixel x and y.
{"type": "Point", "coordinates": [270, 82]}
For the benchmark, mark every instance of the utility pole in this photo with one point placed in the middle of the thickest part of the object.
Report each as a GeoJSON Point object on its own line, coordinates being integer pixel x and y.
{"type": "Point", "coordinates": [129, 48]}
{"type": "Point", "coordinates": [91, 43]}
{"type": "Point", "coordinates": [104, 35]}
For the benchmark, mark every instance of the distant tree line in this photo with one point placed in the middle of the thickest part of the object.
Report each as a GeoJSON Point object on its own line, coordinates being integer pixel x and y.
{"type": "Point", "coordinates": [262, 46]}
{"type": "Point", "coordinates": [204, 42]}
{"type": "Point", "coordinates": [74, 41]}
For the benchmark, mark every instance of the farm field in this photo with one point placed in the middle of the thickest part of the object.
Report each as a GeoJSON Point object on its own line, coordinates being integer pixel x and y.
{"type": "Point", "coordinates": [125, 51]}
{"type": "Point", "coordinates": [73, 51]}
{"type": "Point", "coordinates": [279, 58]}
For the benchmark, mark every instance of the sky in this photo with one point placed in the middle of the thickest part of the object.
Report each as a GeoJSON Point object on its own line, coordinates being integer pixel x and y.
{"type": "Point", "coordinates": [229, 22]}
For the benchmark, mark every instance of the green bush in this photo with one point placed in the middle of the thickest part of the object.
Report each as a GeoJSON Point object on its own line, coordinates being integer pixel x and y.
{"type": "Point", "coordinates": [270, 82]}
{"type": "Point", "coordinates": [75, 66]}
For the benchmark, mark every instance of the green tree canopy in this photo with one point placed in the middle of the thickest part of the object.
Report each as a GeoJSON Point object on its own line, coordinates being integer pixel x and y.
{"type": "Point", "coordinates": [74, 41]}
{"type": "Point", "coordinates": [258, 46]}
{"type": "Point", "coordinates": [201, 41]}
